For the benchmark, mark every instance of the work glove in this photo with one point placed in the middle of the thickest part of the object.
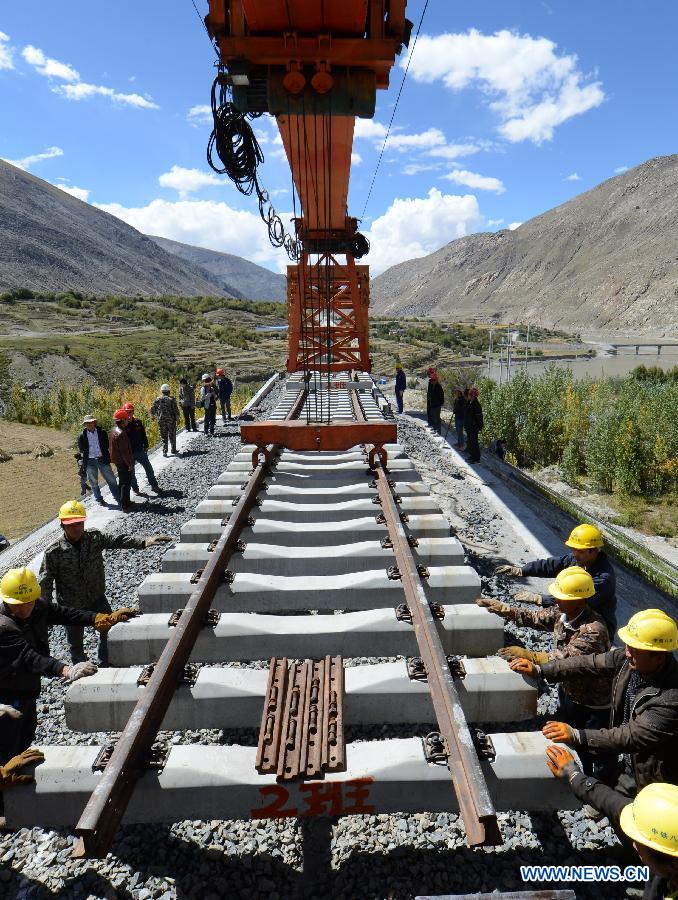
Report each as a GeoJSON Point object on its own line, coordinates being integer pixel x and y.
{"type": "Point", "coordinates": [559, 732]}
{"type": "Point", "coordinates": [103, 622]}
{"type": "Point", "coordinates": [158, 539]}
{"type": "Point", "coordinates": [534, 656]}
{"type": "Point", "coordinates": [529, 597]}
{"type": "Point", "coordinates": [496, 607]}
{"type": "Point", "coordinates": [80, 670]}
{"type": "Point", "coordinates": [561, 762]}
{"type": "Point", "coordinates": [9, 773]}
{"type": "Point", "coordinates": [523, 666]}
{"type": "Point", "coordinates": [516, 571]}
{"type": "Point", "coordinates": [9, 711]}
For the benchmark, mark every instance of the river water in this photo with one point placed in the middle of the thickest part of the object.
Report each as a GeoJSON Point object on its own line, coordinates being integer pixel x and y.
{"type": "Point", "coordinates": [596, 367]}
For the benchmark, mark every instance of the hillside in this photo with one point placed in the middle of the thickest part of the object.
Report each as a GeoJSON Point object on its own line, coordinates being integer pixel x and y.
{"type": "Point", "coordinates": [604, 261]}
{"type": "Point", "coordinates": [236, 276]}
{"type": "Point", "coordinates": [51, 241]}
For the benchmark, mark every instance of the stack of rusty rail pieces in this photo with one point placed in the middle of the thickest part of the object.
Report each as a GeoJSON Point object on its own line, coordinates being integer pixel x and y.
{"type": "Point", "coordinates": [302, 727]}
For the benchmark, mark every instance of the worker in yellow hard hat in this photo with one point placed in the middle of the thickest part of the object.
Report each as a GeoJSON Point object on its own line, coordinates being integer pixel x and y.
{"type": "Point", "coordinates": [650, 821]}
{"type": "Point", "coordinates": [25, 618]}
{"type": "Point", "coordinates": [644, 702]}
{"type": "Point", "coordinates": [586, 550]}
{"type": "Point", "coordinates": [74, 565]}
{"type": "Point", "coordinates": [577, 631]}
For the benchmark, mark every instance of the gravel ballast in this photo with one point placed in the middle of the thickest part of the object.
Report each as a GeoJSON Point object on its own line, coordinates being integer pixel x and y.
{"type": "Point", "coordinates": [369, 856]}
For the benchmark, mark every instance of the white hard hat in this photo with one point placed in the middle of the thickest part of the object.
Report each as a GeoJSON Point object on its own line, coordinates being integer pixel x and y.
{"type": "Point", "coordinates": [165, 388]}
{"type": "Point", "coordinates": [206, 377]}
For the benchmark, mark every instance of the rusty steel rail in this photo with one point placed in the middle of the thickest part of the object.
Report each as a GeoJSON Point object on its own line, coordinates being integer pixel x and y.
{"type": "Point", "coordinates": [475, 804]}
{"type": "Point", "coordinates": [106, 806]}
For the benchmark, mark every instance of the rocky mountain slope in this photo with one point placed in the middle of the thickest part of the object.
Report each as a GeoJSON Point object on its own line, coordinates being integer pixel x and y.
{"type": "Point", "coordinates": [236, 276]}
{"type": "Point", "coordinates": [49, 240]}
{"type": "Point", "coordinates": [605, 261]}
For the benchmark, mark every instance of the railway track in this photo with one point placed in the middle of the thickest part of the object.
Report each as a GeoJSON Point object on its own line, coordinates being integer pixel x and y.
{"type": "Point", "coordinates": [315, 557]}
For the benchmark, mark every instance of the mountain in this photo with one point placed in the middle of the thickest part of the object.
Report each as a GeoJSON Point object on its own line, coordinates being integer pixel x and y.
{"type": "Point", "coordinates": [605, 261]}
{"type": "Point", "coordinates": [51, 241]}
{"type": "Point", "coordinates": [236, 276]}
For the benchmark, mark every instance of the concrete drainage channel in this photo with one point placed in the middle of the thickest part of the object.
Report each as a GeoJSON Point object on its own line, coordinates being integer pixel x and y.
{"type": "Point", "coordinates": [312, 576]}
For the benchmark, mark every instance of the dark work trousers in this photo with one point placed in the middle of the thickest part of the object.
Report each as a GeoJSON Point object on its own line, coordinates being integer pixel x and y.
{"type": "Point", "coordinates": [124, 483]}
{"type": "Point", "coordinates": [435, 418]}
{"type": "Point", "coordinates": [399, 400]}
{"type": "Point", "coordinates": [141, 456]}
{"type": "Point", "coordinates": [225, 408]}
{"type": "Point", "coordinates": [189, 418]}
{"type": "Point", "coordinates": [210, 418]}
{"type": "Point", "coordinates": [601, 766]}
{"type": "Point", "coordinates": [75, 635]}
{"type": "Point", "coordinates": [168, 433]}
{"type": "Point", "coordinates": [472, 445]}
{"type": "Point", "coordinates": [16, 735]}
{"type": "Point", "coordinates": [459, 426]}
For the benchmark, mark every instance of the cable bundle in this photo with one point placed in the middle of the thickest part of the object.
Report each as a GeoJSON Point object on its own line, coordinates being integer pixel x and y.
{"type": "Point", "coordinates": [237, 148]}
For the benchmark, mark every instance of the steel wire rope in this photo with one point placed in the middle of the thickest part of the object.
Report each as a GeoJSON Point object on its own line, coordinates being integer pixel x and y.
{"type": "Point", "coordinates": [395, 107]}
{"type": "Point", "coordinates": [202, 22]}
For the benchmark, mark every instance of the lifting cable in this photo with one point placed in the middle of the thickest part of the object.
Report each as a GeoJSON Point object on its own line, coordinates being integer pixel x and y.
{"type": "Point", "coordinates": [236, 145]}
{"type": "Point", "coordinates": [395, 107]}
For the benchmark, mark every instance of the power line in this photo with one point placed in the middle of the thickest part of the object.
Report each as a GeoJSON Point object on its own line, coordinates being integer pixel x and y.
{"type": "Point", "coordinates": [202, 22]}
{"type": "Point", "coordinates": [395, 107]}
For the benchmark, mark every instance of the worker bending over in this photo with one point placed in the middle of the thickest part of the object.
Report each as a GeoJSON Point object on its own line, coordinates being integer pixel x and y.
{"type": "Point", "coordinates": [643, 723]}
{"type": "Point", "coordinates": [577, 631]}
{"type": "Point", "coordinates": [650, 821]}
{"type": "Point", "coordinates": [586, 543]}
{"type": "Point", "coordinates": [25, 618]}
{"type": "Point", "coordinates": [75, 566]}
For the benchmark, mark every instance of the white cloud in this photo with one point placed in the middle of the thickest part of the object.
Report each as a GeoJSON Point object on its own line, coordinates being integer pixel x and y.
{"type": "Point", "coordinates": [50, 68]}
{"type": "Point", "coordinates": [75, 89]}
{"type": "Point", "coordinates": [6, 52]}
{"type": "Point", "coordinates": [200, 115]}
{"type": "Point", "coordinates": [425, 140]}
{"type": "Point", "coordinates": [513, 225]}
{"type": "Point", "coordinates": [573, 177]}
{"type": "Point", "coordinates": [82, 91]}
{"type": "Point", "coordinates": [530, 86]}
{"type": "Point", "coordinates": [29, 161]}
{"type": "Point", "coordinates": [416, 168]}
{"type": "Point", "coordinates": [185, 181]}
{"type": "Point", "coordinates": [620, 170]}
{"type": "Point", "coordinates": [414, 227]}
{"type": "Point", "coordinates": [492, 223]}
{"type": "Point", "coordinates": [454, 151]}
{"type": "Point", "coordinates": [369, 129]}
{"type": "Point", "coordinates": [78, 192]}
{"type": "Point", "coordinates": [205, 223]}
{"type": "Point", "coordinates": [356, 159]}
{"type": "Point", "coordinates": [475, 181]}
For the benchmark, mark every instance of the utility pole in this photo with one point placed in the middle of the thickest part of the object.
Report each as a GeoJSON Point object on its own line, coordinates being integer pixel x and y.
{"type": "Point", "coordinates": [527, 346]}
{"type": "Point", "coordinates": [489, 357]}
{"type": "Point", "coordinates": [509, 335]}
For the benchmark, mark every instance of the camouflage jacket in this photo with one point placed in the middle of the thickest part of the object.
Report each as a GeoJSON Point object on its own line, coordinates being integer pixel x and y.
{"type": "Point", "coordinates": [164, 408]}
{"type": "Point", "coordinates": [77, 570]}
{"type": "Point", "coordinates": [583, 635]}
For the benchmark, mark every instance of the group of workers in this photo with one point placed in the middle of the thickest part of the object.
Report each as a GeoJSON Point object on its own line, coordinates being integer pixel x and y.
{"type": "Point", "coordinates": [127, 444]}
{"type": "Point", "coordinates": [618, 707]}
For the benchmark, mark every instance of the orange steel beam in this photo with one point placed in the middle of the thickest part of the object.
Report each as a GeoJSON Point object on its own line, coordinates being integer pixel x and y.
{"type": "Point", "coordinates": [318, 290]}
{"type": "Point", "coordinates": [299, 435]}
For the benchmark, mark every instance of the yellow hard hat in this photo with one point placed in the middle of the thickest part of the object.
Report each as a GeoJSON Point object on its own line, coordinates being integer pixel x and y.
{"type": "Point", "coordinates": [399, 365]}
{"type": "Point", "coordinates": [651, 629]}
{"type": "Point", "coordinates": [18, 586]}
{"type": "Point", "coordinates": [573, 583]}
{"type": "Point", "coordinates": [584, 537]}
{"type": "Point", "coordinates": [72, 511]}
{"type": "Point", "coordinates": [652, 818]}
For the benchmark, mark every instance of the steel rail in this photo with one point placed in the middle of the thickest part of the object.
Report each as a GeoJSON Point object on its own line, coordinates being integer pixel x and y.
{"type": "Point", "coordinates": [475, 804]}
{"type": "Point", "coordinates": [106, 806]}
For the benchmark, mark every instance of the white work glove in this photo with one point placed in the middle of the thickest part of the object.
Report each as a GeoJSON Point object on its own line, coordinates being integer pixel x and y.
{"type": "Point", "coordinates": [516, 571]}
{"type": "Point", "coordinates": [79, 670]}
{"type": "Point", "coordinates": [158, 539]}
{"type": "Point", "coordinates": [9, 711]}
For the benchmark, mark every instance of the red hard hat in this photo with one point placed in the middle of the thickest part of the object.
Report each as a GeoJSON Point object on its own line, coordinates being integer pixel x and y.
{"type": "Point", "coordinates": [120, 414]}
{"type": "Point", "coordinates": [128, 406]}
{"type": "Point", "coordinates": [430, 371]}
{"type": "Point", "coordinates": [220, 371]}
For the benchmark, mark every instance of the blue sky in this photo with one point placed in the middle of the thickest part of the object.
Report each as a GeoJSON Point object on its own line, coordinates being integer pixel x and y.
{"type": "Point", "coordinates": [508, 110]}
